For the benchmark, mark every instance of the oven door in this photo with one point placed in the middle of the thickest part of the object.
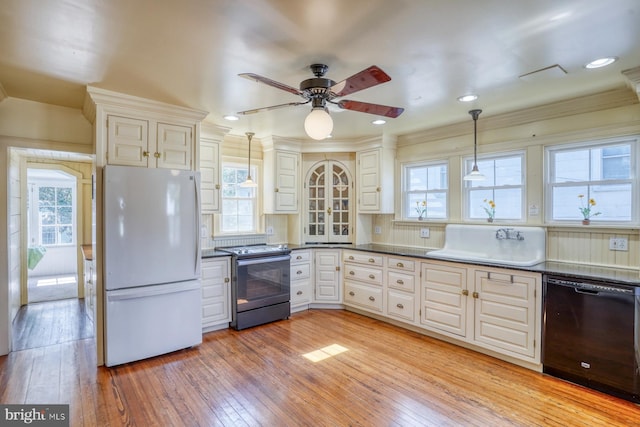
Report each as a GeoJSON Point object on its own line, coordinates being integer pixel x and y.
{"type": "Point", "coordinates": [262, 281]}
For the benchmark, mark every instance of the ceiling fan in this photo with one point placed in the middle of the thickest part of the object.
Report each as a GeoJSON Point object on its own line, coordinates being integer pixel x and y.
{"type": "Point", "coordinates": [320, 90]}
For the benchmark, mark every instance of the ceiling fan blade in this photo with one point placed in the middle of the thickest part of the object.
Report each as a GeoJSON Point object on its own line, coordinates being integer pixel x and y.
{"type": "Point", "coordinates": [366, 78]}
{"type": "Point", "coordinates": [365, 107]}
{"type": "Point", "coordinates": [273, 107]}
{"type": "Point", "coordinates": [270, 82]}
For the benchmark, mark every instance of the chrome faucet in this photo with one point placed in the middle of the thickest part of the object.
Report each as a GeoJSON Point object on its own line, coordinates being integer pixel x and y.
{"type": "Point", "coordinates": [508, 234]}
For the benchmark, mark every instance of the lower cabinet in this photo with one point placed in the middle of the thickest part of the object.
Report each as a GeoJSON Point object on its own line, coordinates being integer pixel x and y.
{"type": "Point", "coordinates": [402, 276]}
{"type": "Point", "coordinates": [363, 279]}
{"type": "Point", "coordinates": [301, 281]}
{"type": "Point", "coordinates": [494, 308]}
{"type": "Point", "coordinates": [328, 280]}
{"type": "Point", "coordinates": [216, 293]}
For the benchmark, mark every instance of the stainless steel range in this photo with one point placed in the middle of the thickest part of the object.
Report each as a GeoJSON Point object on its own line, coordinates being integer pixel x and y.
{"type": "Point", "coordinates": [260, 286]}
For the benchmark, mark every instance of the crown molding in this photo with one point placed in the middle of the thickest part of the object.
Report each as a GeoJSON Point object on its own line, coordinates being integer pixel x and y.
{"type": "Point", "coordinates": [633, 79]}
{"type": "Point", "coordinates": [614, 98]}
{"type": "Point", "coordinates": [105, 98]}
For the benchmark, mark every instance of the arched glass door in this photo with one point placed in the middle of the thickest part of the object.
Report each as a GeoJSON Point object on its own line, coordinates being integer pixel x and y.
{"type": "Point", "coordinates": [329, 189]}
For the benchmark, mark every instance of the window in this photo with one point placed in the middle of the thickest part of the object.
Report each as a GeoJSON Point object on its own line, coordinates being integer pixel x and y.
{"type": "Point", "coordinates": [425, 190]}
{"type": "Point", "coordinates": [239, 204]}
{"type": "Point", "coordinates": [600, 172]}
{"type": "Point", "coordinates": [53, 206]}
{"type": "Point", "coordinates": [504, 185]}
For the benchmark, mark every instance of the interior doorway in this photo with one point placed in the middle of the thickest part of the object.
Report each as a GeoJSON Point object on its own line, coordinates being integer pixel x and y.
{"type": "Point", "coordinates": [52, 234]}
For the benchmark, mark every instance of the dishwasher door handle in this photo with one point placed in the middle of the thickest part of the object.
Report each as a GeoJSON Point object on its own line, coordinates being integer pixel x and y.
{"type": "Point", "coordinates": [586, 291]}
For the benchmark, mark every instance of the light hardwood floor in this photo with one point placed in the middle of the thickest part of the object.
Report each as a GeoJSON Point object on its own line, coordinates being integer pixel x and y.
{"type": "Point", "coordinates": [386, 377]}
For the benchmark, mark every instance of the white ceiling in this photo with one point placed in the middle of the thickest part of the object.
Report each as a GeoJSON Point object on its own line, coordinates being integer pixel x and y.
{"type": "Point", "coordinates": [189, 53]}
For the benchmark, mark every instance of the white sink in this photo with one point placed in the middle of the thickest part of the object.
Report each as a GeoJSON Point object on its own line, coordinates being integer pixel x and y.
{"type": "Point", "coordinates": [516, 246]}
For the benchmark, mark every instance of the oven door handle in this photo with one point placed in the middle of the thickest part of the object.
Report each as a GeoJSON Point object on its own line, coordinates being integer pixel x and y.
{"type": "Point", "coordinates": [262, 260]}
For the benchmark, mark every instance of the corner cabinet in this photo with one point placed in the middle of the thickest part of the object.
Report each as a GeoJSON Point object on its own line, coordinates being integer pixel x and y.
{"type": "Point", "coordinates": [376, 180]}
{"type": "Point", "coordinates": [281, 178]}
{"type": "Point", "coordinates": [328, 283]}
{"type": "Point", "coordinates": [216, 293]}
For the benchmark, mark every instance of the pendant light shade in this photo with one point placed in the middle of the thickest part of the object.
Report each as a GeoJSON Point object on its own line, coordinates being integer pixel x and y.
{"type": "Point", "coordinates": [249, 183]}
{"type": "Point", "coordinates": [318, 123]}
{"type": "Point", "coordinates": [475, 174]}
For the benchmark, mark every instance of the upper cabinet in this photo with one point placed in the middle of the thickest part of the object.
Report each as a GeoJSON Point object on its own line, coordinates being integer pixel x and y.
{"type": "Point", "coordinates": [281, 179]}
{"type": "Point", "coordinates": [131, 142]}
{"type": "Point", "coordinates": [139, 132]}
{"type": "Point", "coordinates": [375, 180]}
{"type": "Point", "coordinates": [210, 166]}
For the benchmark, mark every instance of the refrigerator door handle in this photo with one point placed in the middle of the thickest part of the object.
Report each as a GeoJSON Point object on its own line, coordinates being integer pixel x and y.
{"type": "Point", "coordinates": [148, 291]}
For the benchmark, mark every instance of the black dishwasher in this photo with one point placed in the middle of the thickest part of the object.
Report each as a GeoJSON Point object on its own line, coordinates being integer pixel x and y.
{"type": "Point", "coordinates": [591, 334]}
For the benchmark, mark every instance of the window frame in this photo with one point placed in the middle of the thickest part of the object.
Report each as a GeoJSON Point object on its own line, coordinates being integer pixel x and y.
{"type": "Point", "coordinates": [467, 186]}
{"type": "Point", "coordinates": [634, 166]}
{"type": "Point", "coordinates": [256, 175]}
{"type": "Point", "coordinates": [36, 225]}
{"type": "Point", "coordinates": [404, 203]}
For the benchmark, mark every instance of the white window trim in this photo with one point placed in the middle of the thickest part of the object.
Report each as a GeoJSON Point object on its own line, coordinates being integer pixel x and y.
{"type": "Point", "coordinates": [634, 141]}
{"type": "Point", "coordinates": [34, 202]}
{"type": "Point", "coordinates": [466, 185]}
{"type": "Point", "coordinates": [256, 164]}
{"type": "Point", "coordinates": [403, 182]}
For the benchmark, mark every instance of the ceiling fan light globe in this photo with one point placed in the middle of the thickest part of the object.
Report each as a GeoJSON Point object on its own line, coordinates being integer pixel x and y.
{"type": "Point", "coordinates": [318, 124]}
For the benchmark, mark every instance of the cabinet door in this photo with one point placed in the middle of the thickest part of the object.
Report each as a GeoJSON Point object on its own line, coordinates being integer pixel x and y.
{"type": "Point", "coordinates": [128, 141]}
{"type": "Point", "coordinates": [328, 212]}
{"type": "Point", "coordinates": [369, 184]}
{"type": "Point", "coordinates": [174, 146]}
{"type": "Point", "coordinates": [216, 300]}
{"type": "Point", "coordinates": [286, 190]}
{"type": "Point", "coordinates": [505, 313]}
{"type": "Point", "coordinates": [328, 283]}
{"type": "Point", "coordinates": [210, 176]}
{"type": "Point", "coordinates": [444, 298]}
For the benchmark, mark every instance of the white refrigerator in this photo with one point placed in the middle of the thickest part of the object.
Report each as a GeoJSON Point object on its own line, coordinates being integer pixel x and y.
{"type": "Point", "coordinates": [152, 286]}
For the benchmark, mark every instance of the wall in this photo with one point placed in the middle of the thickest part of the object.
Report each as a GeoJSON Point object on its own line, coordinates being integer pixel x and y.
{"type": "Point", "coordinates": [610, 114]}
{"type": "Point", "coordinates": [28, 124]}
{"type": "Point", "coordinates": [15, 235]}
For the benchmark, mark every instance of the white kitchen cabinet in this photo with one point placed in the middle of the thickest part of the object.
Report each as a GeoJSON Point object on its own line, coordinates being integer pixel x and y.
{"type": "Point", "coordinates": [301, 279]}
{"type": "Point", "coordinates": [363, 280]}
{"type": "Point", "coordinates": [210, 175]}
{"type": "Point", "coordinates": [494, 308]}
{"type": "Point", "coordinates": [89, 289]}
{"type": "Point", "coordinates": [281, 178]}
{"type": "Point", "coordinates": [402, 274]}
{"type": "Point", "coordinates": [376, 180]}
{"type": "Point", "coordinates": [216, 293]}
{"type": "Point", "coordinates": [328, 279]}
{"type": "Point", "coordinates": [149, 143]}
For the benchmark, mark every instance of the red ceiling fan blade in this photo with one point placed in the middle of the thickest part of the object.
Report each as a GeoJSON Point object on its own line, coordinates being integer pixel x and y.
{"type": "Point", "coordinates": [365, 107]}
{"type": "Point", "coordinates": [366, 78]}
{"type": "Point", "coordinates": [273, 107]}
{"type": "Point", "coordinates": [270, 82]}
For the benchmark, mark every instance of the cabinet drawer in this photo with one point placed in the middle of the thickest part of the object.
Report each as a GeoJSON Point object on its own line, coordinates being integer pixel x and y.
{"type": "Point", "coordinates": [300, 271]}
{"type": "Point", "coordinates": [363, 258]}
{"type": "Point", "coordinates": [401, 264]}
{"type": "Point", "coordinates": [300, 292]}
{"type": "Point", "coordinates": [364, 274]}
{"type": "Point", "coordinates": [362, 295]}
{"type": "Point", "coordinates": [403, 281]}
{"type": "Point", "coordinates": [300, 257]}
{"type": "Point", "coordinates": [401, 305]}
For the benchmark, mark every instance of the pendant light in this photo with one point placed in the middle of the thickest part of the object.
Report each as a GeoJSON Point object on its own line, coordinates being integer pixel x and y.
{"type": "Point", "coordinates": [475, 174]}
{"type": "Point", "coordinates": [249, 183]}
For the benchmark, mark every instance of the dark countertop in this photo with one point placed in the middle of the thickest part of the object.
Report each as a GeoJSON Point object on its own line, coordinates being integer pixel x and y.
{"type": "Point", "coordinates": [587, 272]}
{"type": "Point", "coordinates": [581, 271]}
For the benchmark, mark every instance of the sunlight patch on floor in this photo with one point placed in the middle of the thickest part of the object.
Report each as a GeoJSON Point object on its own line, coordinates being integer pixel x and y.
{"type": "Point", "coordinates": [325, 353]}
{"type": "Point", "coordinates": [50, 281]}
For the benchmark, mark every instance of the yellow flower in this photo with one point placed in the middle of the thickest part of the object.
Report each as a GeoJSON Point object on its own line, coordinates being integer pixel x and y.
{"type": "Point", "coordinates": [592, 202]}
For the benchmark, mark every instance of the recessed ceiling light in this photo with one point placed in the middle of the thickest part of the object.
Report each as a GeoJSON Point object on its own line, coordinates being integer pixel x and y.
{"type": "Point", "coordinates": [379, 122]}
{"type": "Point", "coordinates": [231, 118]}
{"type": "Point", "coordinates": [601, 62]}
{"type": "Point", "coordinates": [467, 98]}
